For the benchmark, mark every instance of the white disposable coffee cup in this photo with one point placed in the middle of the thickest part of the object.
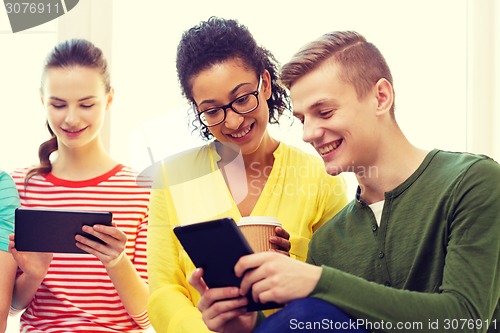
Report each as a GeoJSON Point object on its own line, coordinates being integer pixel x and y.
{"type": "Point", "coordinates": [257, 230]}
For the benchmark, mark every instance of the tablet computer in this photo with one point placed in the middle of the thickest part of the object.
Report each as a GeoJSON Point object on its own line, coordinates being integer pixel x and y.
{"type": "Point", "coordinates": [216, 246]}
{"type": "Point", "coordinates": [54, 230]}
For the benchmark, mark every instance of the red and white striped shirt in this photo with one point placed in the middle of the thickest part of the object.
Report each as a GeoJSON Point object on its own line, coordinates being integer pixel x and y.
{"type": "Point", "coordinates": [77, 294]}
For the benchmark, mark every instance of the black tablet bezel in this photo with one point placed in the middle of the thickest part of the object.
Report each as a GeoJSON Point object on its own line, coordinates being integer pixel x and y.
{"type": "Point", "coordinates": [54, 230]}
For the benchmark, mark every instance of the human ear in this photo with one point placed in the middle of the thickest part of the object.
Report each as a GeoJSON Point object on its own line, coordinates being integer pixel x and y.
{"type": "Point", "coordinates": [384, 95]}
{"type": "Point", "coordinates": [266, 84]}
{"type": "Point", "coordinates": [41, 97]}
{"type": "Point", "coordinates": [110, 97]}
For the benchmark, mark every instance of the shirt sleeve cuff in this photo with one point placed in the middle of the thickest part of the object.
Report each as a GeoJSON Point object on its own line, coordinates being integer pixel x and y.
{"type": "Point", "coordinates": [142, 319]}
{"type": "Point", "coordinates": [260, 318]}
{"type": "Point", "coordinates": [14, 312]}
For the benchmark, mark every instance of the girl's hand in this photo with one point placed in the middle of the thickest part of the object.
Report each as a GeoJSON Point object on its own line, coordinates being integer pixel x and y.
{"type": "Point", "coordinates": [281, 240]}
{"type": "Point", "coordinates": [34, 264]}
{"type": "Point", "coordinates": [109, 253]}
{"type": "Point", "coordinates": [222, 309]}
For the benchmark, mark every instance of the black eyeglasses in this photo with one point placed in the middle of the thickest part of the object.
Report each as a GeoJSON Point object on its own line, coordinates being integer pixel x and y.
{"type": "Point", "coordinates": [242, 105]}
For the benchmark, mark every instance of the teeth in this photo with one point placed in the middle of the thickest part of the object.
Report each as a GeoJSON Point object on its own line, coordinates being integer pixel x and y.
{"type": "Point", "coordinates": [241, 134]}
{"type": "Point", "coordinates": [326, 149]}
{"type": "Point", "coordinates": [73, 131]}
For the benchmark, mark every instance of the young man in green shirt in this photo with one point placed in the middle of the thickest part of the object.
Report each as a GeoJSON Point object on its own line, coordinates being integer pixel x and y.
{"type": "Point", "coordinates": [418, 250]}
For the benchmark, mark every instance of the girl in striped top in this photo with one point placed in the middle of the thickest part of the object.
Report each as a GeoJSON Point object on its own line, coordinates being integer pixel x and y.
{"type": "Point", "coordinates": [105, 290]}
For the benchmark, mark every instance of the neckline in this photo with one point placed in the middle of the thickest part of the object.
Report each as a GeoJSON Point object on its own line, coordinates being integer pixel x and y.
{"type": "Point", "coordinates": [407, 183]}
{"type": "Point", "coordinates": [277, 153]}
{"type": "Point", "coordinates": [83, 183]}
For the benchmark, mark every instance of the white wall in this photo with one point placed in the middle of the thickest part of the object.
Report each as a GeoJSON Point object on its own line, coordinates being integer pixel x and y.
{"type": "Point", "coordinates": [22, 118]}
{"type": "Point", "coordinates": [483, 77]}
{"type": "Point", "coordinates": [424, 42]}
{"type": "Point", "coordinates": [435, 50]}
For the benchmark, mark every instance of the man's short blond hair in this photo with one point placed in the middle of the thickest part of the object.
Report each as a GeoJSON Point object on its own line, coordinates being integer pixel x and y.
{"type": "Point", "coordinates": [361, 63]}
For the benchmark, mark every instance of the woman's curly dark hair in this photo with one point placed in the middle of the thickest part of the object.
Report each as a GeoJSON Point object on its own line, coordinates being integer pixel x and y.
{"type": "Point", "coordinates": [217, 40]}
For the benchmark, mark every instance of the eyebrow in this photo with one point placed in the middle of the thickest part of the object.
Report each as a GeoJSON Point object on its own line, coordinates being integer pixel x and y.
{"type": "Point", "coordinates": [80, 100]}
{"type": "Point", "coordinates": [232, 92]}
{"type": "Point", "coordinates": [316, 105]}
{"type": "Point", "coordinates": [321, 102]}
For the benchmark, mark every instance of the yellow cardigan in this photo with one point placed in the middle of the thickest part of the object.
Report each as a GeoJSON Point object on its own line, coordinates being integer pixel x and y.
{"type": "Point", "coordinates": [191, 188]}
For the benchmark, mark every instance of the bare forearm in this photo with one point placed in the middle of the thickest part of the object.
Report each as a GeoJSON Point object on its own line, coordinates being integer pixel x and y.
{"type": "Point", "coordinates": [24, 290]}
{"type": "Point", "coordinates": [7, 279]}
{"type": "Point", "coordinates": [131, 288]}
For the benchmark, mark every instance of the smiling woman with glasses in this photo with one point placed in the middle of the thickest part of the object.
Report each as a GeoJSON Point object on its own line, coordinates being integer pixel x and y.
{"type": "Point", "coordinates": [232, 84]}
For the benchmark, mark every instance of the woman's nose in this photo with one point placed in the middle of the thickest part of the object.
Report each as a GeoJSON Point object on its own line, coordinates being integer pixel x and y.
{"type": "Point", "coordinates": [72, 116]}
{"type": "Point", "coordinates": [233, 119]}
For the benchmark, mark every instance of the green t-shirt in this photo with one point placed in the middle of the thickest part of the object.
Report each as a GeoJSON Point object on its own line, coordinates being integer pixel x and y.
{"type": "Point", "coordinates": [433, 264]}
{"type": "Point", "coordinates": [9, 201]}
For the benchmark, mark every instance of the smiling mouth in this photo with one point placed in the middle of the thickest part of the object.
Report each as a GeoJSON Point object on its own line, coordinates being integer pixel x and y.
{"type": "Point", "coordinates": [74, 131]}
{"type": "Point", "coordinates": [242, 133]}
{"type": "Point", "coordinates": [329, 148]}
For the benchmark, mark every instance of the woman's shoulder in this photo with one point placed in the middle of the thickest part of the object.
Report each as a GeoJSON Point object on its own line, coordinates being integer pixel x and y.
{"type": "Point", "coordinates": [4, 176]}
{"type": "Point", "coordinates": [298, 155]}
{"type": "Point", "coordinates": [131, 176]}
{"type": "Point", "coordinates": [183, 166]}
{"type": "Point", "coordinates": [6, 180]}
{"type": "Point", "coordinates": [20, 172]}
{"type": "Point", "coordinates": [294, 162]}
{"type": "Point", "coordinates": [125, 171]}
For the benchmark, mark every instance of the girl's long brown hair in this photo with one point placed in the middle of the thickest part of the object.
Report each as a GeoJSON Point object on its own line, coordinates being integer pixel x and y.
{"type": "Point", "coordinates": [70, 53]}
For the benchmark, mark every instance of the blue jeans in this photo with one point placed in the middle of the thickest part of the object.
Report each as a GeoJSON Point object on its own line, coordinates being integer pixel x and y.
{"type": "Point", "coordinates": [309, 315]}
